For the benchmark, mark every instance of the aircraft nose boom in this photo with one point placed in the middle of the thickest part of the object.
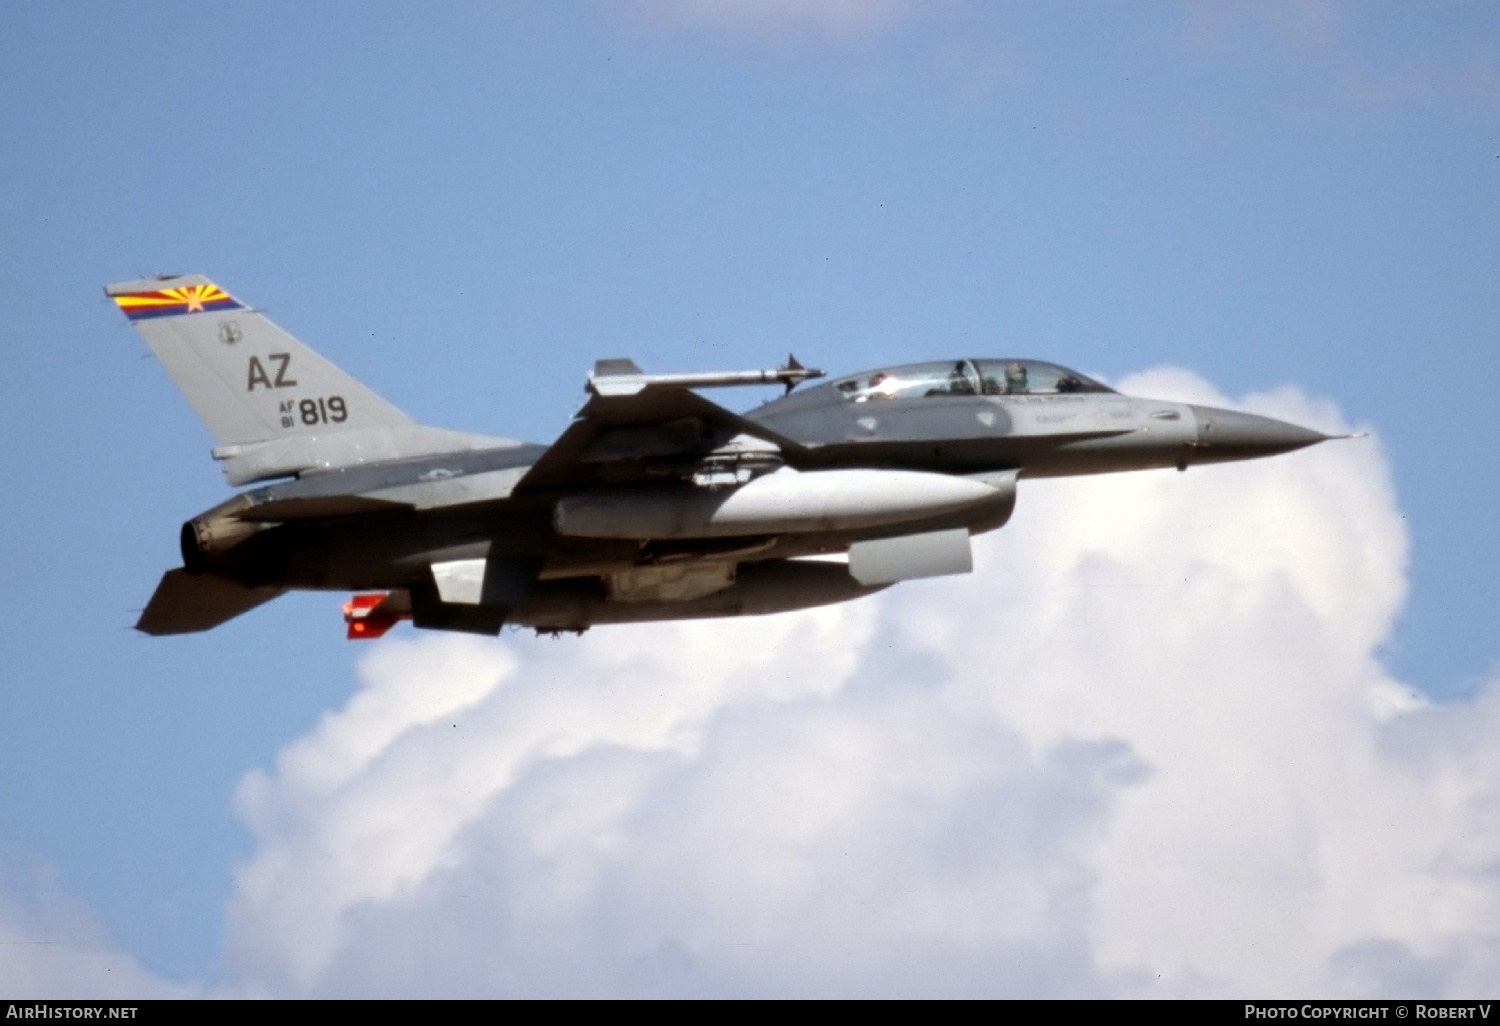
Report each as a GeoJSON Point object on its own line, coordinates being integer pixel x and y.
{"type": "Point", "coordinates": [1230, 434]}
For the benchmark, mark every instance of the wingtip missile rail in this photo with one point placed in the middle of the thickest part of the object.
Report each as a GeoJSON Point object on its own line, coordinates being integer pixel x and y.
{"type": "Point", "coordinates": [621, 377]}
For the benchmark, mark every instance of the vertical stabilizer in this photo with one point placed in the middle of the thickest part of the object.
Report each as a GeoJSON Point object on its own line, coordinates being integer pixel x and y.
{"type": "Point", "coordinates": [273, 406]}
{"type": "Point", "coordinates": [246, 378]}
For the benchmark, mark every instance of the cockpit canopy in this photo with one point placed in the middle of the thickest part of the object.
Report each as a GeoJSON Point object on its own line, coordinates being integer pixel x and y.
{"type": "Point", "coordinates": [965, 377]}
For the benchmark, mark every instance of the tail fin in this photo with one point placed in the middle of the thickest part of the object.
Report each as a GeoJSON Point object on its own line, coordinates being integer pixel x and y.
{"type": "Point", "coordinates": [273, 406]}
{"type": "Point", "coordinates": [249, 380]}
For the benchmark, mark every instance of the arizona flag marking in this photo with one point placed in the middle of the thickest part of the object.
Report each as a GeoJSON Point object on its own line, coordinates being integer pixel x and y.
{"type": "Point", "coordinates": [185, 299]}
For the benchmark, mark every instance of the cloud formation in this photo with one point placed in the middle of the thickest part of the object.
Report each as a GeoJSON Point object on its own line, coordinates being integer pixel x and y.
{"type": "Point", "coordinates": [1147, 748]}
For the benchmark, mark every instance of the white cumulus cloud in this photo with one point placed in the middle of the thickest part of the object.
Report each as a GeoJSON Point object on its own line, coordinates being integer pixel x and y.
{"type": "Point", "coordinates": [1147, 748]}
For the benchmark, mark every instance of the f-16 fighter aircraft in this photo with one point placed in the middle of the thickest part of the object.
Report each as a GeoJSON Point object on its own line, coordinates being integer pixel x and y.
{"type": "Point", "coordinates": [654, 504]}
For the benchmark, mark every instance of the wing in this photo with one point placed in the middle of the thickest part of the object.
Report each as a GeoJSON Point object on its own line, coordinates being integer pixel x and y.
{"type": "Point", "coordinates": [639, 427]}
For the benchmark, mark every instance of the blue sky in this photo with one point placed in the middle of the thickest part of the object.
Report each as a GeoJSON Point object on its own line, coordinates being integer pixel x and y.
{"type": "Point", "coordinates": [466, 204]}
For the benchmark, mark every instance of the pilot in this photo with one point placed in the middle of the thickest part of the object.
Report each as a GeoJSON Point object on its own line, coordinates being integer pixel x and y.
{"type": "Point", "coordinates": [1015, 378]}
{"type": "Point", "coordinates": [958, 381]}
{"type": "Point", "coordinates": [873, 390]}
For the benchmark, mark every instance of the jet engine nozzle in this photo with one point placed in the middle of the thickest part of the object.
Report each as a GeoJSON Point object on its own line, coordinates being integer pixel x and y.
{"type": "Point", "coordinates": [210, 536]}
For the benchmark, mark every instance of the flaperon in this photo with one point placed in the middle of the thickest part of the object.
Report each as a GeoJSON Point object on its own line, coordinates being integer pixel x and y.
{"type": "Point", "coordinates": [655, 504]}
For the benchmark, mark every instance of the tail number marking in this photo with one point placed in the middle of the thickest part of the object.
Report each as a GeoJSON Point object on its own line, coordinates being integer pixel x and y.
{"type": "Point", "coordinates": [311, 412]}
{"type": "Point", "coordinates": [257, 374]}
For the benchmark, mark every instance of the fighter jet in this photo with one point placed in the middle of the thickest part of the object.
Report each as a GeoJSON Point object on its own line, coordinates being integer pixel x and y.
{"type": "Point", "coordinates": [654, 504]}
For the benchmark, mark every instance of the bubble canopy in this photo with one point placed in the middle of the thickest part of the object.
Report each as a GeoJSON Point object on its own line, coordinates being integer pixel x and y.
{"type": "Point", "coordinates": [965, 377]}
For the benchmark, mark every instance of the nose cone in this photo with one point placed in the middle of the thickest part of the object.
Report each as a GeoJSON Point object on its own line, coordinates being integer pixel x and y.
{"type": "Point", "coordinates": [1231, 435]}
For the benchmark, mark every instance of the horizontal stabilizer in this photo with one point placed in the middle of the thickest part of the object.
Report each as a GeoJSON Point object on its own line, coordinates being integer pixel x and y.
{"type": "Point", "coordinates": [185, 603]}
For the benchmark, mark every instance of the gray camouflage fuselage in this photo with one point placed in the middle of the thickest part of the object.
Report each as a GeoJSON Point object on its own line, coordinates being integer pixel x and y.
{"type": "Point", "coordinates": [657, 504]}
{"type": "Point", "coordinates": [463, 506]}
